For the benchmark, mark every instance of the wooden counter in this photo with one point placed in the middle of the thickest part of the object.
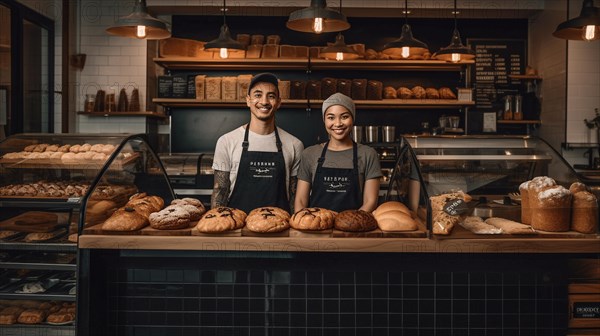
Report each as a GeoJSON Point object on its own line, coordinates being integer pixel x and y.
{"type": "Point", "coordinates": [328, 244]}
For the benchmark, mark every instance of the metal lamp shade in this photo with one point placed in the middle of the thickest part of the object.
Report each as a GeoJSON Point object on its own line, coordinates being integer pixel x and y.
{"type": "Point", "coordinates": [126, 26]}
{"type": "Point", "coordinates": [303, 19]}
{"type": "Point", "coordinates": [223, 41]}
{"type": "Point", "coordinates": [405, 40]}
{"type": "Point", "coordinates": [339, 46]}
{"type": "Point", "coordinates": [455, 47]}
{"type": "Point", "coordinates": [574, 29]}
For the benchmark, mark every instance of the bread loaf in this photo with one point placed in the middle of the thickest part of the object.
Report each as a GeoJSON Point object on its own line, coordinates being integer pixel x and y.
{"type": "Point", "coordinates": [344, 86]}
{"type": "Point", "coordinates": [551, 209]}
{"type": "Point", "coordinates": [389, 93]}
{"type": "Point", "coordinates": [374, 90]}
{"type": "Point", "coordinates": [243, 82]}
{"type": "Point", "coordinates": [229, 88]}
{"type": "Point", "coordinates": [391, 206]}
{"type": "Point", "coordinates": [359, 89]}
{"type": "Point", "coordinates": [432, 93]}
{"type": "Point", "coordinates": [395, 220]}
{"type": "Point", "coordinates": [287, 51]}
{"type": "Point", "coordinates": [405, 93]}
{"type": "Point", "coordinates": [134, 215]}
{"type": "Point", "coordinates": [509, 227]}
{"type": "Point", "coordinates": [32, 316]}
{"type": "Point", "coordinates": [313, 89]}
{"type": "Point", "coordinates": [446, 93]}
{"type": "Point", "coordinates": [585, 212]}
{"type": "Point", "coordinates": [221, 219]}
{"type": "Point", "coordinates": [419, 92]}
{"type": "Point", "coordinates": [254, 51]}
{"type": "Point", "coordinates": [213, 88]}
{"type": "Point", "coordinates": [298, 89]}
{"type": "Point", "coordinates": [577, 187]}
{"type": "Point", "coordinates": [268, 219]}
{"type": "Point", "coordinates": [525, 207]}
{"type": "Point", "coordinates": [284, 89]}
{"type": "Point", "coordinates": [313, 219]}
{"type": "Point", "coordinates": [478, 226]}
{"type": "Point", "coordinates": [443, 222]}
{"type": "Point", "coordinates": [355, 221]}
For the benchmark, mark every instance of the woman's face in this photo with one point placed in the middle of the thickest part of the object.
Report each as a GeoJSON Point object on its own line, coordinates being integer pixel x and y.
{"type": "Point", "coordinates": [338, 122]}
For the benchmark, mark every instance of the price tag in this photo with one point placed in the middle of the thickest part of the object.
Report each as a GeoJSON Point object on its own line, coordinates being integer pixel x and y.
{"type": "Point", "coordinates": [456, 207]}
{"type": "Point", "coordinates": [586, 310]}
{"type": "Point", "coordinates": [73, 199]}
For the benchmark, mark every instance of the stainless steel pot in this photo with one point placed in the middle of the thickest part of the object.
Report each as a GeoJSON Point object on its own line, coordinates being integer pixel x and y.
{"type": "Point", "coordinates": [388, 133]}
{"type": "Point", "coordinates": [371, 134]}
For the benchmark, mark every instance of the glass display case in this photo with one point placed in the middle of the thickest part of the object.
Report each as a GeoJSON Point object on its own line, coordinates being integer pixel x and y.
{"type": "Point", "coordinates": [484, 165]}
{"type": "Point", "coordinates": [52, 188]}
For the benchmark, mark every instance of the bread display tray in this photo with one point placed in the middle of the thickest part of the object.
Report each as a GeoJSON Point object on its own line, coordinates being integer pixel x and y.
{"type": "Point", "coordinates": [150, 231]}
{"type": "Point", "coordinates": [35, 221]}
{"type": "Point", "coordinates": [57, 163]}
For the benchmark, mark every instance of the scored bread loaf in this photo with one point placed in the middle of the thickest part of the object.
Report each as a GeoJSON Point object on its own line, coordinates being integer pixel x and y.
{"type": "Point", "coordinates": [355, 221]}
{"type": "Point", "coordinates": [313, 219]}
{"type": "Point", "coordinates": [135, 214]}
{"type": "Point", "coordinates": [268, 219]}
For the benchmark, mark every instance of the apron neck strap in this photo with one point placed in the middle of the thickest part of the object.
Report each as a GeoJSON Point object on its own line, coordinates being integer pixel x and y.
{"type": "Point", "coordinates": [246, 143]}
{"type": "Point", "coordinates": [354, 155]}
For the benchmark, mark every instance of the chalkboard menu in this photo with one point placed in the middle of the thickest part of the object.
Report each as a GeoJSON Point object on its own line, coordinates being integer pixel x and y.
{"type": "Point", "coordinates": [495, 60]}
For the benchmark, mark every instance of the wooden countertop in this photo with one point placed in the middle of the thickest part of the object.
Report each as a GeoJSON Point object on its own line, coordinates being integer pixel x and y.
{"type": "Point", "coordinates": [329, 244]}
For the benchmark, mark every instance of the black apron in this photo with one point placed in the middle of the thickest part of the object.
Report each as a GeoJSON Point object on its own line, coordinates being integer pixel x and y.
{"type": "Point", "coordinates": [336, 189]}
{"type": "Point", "coordinates": [261, 178]}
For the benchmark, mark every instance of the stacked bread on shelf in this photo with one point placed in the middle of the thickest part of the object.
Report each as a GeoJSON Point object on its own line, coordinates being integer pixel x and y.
{"type": "Point", "coordinates": [36, 312]}
{"type": "Point", "coordinates": [418, 92]}
{"type": "Point", "coordinates": [63, 153]}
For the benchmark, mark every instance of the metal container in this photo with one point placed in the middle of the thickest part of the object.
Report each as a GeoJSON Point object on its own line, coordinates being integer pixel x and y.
{"type": "Point", "coordinates": [388, 133]}
{"type": "Point", "coordinates": [371, 134]}
{"type": "Point", "coordinates": [357, 133]}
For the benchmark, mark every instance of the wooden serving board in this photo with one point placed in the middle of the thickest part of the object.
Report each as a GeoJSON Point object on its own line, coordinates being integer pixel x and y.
{"type": "Point", "coordinates": [377, 233]}
{"type": "Point", "coordinates": [231, 233]}
{"type": "Point", "coordinates": [310, 234]}
{"type": "Point", "coordinates": [97, 230]}
{"type": "Point", "coordinates": [150, 231]}
{"type": "Point", "coordinates": [35, 221]}
{"type": "Point", "coordinates": [459, 232]}
{"type": "Point", "coordinates": [248, 233]}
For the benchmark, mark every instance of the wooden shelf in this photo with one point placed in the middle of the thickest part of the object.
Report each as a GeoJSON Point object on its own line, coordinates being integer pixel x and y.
{"type": "Point", "coordinates": [4, 47]}
{"type": "Point", "coordinates": [190, 63]}
{"type": "Point", "coordinates": [149, 114]}
{"type": "Point", "coordinates": [302, 103]}
{"type": "Point", "coordinates": [529, 77]}
{"type": "Point", "coordinates": [522, 122]}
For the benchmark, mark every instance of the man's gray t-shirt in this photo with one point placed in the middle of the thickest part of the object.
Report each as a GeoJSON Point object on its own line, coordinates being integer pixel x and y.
{"type": "Point", "coordinates": [368, 162]}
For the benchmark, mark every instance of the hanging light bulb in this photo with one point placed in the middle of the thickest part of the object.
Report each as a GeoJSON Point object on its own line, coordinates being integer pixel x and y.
{"type": "Point", "coordinates": [585, 27]}
{"type": "Point", "coordinates": [224, 42]}
{"type": "Point", "coordinates": [339, 51]}
{"type": "Point", "coordinates": [141, 32]}
{"type": "Point", "coordinates": [317, 19]}
{"type": "Point", "coordinates": [140, 24]}
{"type": "Point", "coordinates": [455, 51]}
{"type": "Point", "coordinates": [406, 45]}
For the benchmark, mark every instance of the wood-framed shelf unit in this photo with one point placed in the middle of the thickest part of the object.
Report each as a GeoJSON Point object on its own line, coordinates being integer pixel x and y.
{"type": "Point", "coordinates": [191, 63]}
{"type": "Point", "coordinates": [521, 122]}
{"type": "Point", "coordinates": [300, 103]}
{"type": "Point", "coordinates": [149, 114]}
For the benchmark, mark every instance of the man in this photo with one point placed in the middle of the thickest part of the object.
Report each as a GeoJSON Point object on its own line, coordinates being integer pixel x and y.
{"type": "Point", "coordinates": [256, 164]}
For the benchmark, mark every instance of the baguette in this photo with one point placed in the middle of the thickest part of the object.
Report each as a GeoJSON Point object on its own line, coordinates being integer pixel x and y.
{"type": "Point", "coordinates": [510, 227]}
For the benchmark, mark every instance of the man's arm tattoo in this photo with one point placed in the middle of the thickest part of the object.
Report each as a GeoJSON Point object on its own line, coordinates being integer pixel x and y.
{"type": "Point", "coordinates": [293, 188]}
{"type": "Point", "coordinates": [221, 186]}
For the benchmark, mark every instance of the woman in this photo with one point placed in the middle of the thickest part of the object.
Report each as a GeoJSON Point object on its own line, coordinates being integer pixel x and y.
{"type": "Point", "coordinates": [339, 174]}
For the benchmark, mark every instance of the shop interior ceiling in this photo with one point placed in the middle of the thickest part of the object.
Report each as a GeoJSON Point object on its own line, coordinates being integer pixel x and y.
{"type": "Point", "coordinates": [481, 9]}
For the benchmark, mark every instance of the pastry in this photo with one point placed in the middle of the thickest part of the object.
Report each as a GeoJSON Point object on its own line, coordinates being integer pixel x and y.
{"type": "Point", "coordinates": [7, 233]}
{"type": "Point", "coordinates": [52, 148]}
{"type": "Point", "coordinates": [31, 316]}
{"type": "Point", "coordinates": [476, 225]}
{"type": "Point", "coordinates": [57, 155]}
{"type": "Point", "coordinates": [7, 319]}
{"type": "Point", "coordinates": [268, 219]}
{"type": "Point", "coordinates": [40, 148]}
{"type": "Point", "coordinates": [69, 157]}
{"type": "Point", "coordinates": [85, 147]}
{"type": "Point", "coordinates": [221, 219]}
{"type": "Point", "coordinates": [313, 219]}
{"type": "Point", "coordinates": [29, 148]}
{"type": "Point", "coordinates": [97, 148]}
{"type": "Point", "coordinates": [42, 236]}
{"type": "Point", "coordinates": [404, 93]}
{"type": "Point", "coordinates": [419, 92]}
{"type": "Point", "coordinates": [355, 221]}
{"type": "Point", "coordinates": [446, 93]}
{"type": "Point", "coordinates": [551, 209]}
{"type": "Point", "coordinates": [432, 93]}
{"type": "Point", "coordinates": [61, 317]}
{"type": "Point", "coordinates": [510, 227]}
{"type": "Point", "coordinates": [584, 217]}
{"type": "Point", "coordinates": [170, 218]}
{"type": "Point", "coordinates": [108, 149]}
{"type": "Point", "coordinates": [63, 148]}
{"type": "Point", "coordinates": [74, 148]}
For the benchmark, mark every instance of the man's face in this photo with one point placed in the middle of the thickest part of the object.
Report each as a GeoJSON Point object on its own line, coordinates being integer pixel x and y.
{"type": "Point", "coordinates": [263, 101]}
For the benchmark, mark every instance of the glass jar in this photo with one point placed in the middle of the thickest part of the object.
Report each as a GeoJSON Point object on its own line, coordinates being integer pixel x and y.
{"type": "Point", "coordinates": [508, 109]}
{"type": "Point", "coordinates": [88, 104]}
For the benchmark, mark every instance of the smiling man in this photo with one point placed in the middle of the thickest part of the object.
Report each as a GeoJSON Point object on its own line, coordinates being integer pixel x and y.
{"type": "Point", "coordinates": [256, 164]}
{"type": "Point", "coordinates": [339, 174]}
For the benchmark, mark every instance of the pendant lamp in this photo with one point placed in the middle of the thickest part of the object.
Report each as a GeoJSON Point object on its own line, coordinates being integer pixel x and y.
{"type": "Point", "coordinates": [140, 24]}
{"type": "Point", "coordinates": [456, 51]}
{"type": "Point", "coordinates": [224, 42]}
{"type": "Point", "coordinates": [317, 19]}
{"type": "Point", "coordinates": [339, 51]}
{"type": "Point", "coordinates": [585, 27]}
{"type": "Point", "coordinates": [406, 45]}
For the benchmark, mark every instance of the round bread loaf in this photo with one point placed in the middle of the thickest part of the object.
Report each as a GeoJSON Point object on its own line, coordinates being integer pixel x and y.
{"type": "Point", "coordinates": [221, 219]}
{"type": "Point", "coordinates": [585, 212]}
{"type": "Point", "coordinates": [391, 206]}
{"type": "Point", "coordinates": [389, 93]}
{"type": "Point", "coordinates": [355, 221]}
{"type": "Point", "coordinates": [525, 207]}
{"type": "Point", "coordinates": [419, 92]}
{"type": "Point", "coordinates": [268, 219]}
{"type": "Point", "coordinates": [313, 219]}
{"type": "Point", "coordinates": [404, 93]}
{"type": "Point", "coordinates": [551, 209]}
{"type": "Point", "coordinates": [395, 220]}
{"type": "Point", "coordinates": [432, 93]}
{"type": "Point", "coordinates": [577, 187]}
